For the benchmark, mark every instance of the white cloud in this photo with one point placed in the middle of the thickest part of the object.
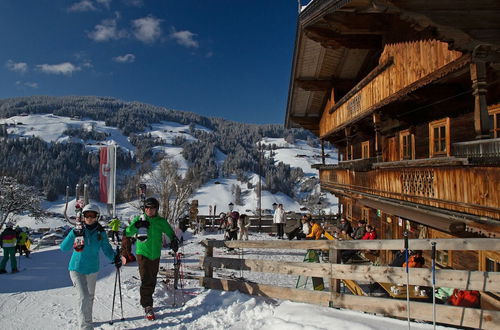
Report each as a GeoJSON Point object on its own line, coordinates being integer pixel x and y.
{"type": "Point", "coordinates": [24, 84]}
{"type": "Point", "coordinates": [147, 29]}
{"type": "Point", "coordinates": [83, 5]}
{"type": "Point", "coordinates": [127, 58]}
{"type": "Point", "coordinates": [209, 54]}
{"type": "Point", "coordinates": [65, 68]}
{"type": "Point", "coordinates": [107, 30]}
{"type": "Point", "coordinates": [19, 67]}
{"type": "Point", "coordinates": [184, 38]}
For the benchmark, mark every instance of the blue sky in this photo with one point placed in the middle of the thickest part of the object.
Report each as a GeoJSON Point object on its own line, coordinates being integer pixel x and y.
{"type": "Point", "coordinates": [219, 58]}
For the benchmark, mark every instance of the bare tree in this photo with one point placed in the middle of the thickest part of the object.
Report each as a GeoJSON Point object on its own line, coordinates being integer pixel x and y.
{"type": "Point", "coordinates": [16, 198]}
{"type": "Point", "coordinates": [172, 189]}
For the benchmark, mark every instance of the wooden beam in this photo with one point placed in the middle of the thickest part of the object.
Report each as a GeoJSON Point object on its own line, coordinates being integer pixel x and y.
{"type": "Point", "coordinates": [331, 39]}
{"type": "Point", "coordinates": [453, 244]}
{"type": "Point", "coordinates": [457, 316]}
{"type": "Point", "coordinates": [312, 85]}
{"type": "Point", "coordinates": [461, 279]}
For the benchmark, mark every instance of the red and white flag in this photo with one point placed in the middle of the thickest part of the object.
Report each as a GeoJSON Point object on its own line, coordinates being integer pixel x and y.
{"type": "Point", "coordinates": [107, 168]}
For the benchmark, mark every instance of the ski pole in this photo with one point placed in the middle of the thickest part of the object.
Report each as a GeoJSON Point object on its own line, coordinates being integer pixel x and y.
{"type": "Point", "coordinates": [114, 295]}
{"type": "Point", "coordinates": [407, 280]}
{"type": "Point", "coordinates": [120, 288]}
{"type": "Point", "coordinates": [433, 257]}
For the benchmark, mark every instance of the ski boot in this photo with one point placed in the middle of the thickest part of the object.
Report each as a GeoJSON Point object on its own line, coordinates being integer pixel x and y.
{"type": "Point", "coordinates": [3, 271]}
{"type": "Point", "coordinates": [15, 270]}
{"type": "Point", "coordinates": [150, 314]}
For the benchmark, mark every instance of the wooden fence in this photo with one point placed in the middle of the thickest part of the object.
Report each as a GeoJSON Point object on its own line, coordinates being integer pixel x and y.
{"type": "Point", "coordinates": [263, 225]}
{"type": "Point", "coordinates": [334, 271]}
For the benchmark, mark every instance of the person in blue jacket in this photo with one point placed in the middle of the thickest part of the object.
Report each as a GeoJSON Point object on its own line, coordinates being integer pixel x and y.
{"type": "Point", "coordinates": [84, 264]}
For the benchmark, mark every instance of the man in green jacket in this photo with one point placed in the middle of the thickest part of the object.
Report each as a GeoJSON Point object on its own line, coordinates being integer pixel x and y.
{"type": "Point", "coordinates": [149, 228]}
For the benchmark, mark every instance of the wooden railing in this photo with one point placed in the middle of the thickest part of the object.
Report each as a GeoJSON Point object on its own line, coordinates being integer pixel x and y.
{"type": "Point", "coordinates": [413, 65]}
{"type": "Point", "coordinates": [463, 189]}
{"type": "Point", "coordinates": [452, 315]}
{"type": "Point", "coordinates": [478, 149]}
{"type": "Point", "coordinates": [263, 225]}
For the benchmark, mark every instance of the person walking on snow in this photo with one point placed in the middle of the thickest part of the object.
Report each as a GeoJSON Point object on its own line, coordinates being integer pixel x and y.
{"type": "Point", "coordinates": [243, 225]}
{"type": "Point", "coordinates": [8, 241]}
{"type": "Point", "coordinates": [22, 243]}
{"type": "Point", "coordinates": [84, 264]}
{"type": "Point", "coordinates": [148, 250]}
{"type": "Point", "coordinates": [115, 228]}
{"type": "Point", "coordinates": [279, 220]}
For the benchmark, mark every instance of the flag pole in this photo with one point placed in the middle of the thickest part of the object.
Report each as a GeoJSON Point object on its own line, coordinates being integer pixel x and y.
{"type": "Point", "coordinates": [114, 181]}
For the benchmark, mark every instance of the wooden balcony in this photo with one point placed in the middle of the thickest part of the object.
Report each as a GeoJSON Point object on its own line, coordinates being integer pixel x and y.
{"type": "Point", "coordinates": [403, 68]}
{"type": "Point", "coordinates": [480, 151]}
{"type": "Point", "coordinates": [470, 190]}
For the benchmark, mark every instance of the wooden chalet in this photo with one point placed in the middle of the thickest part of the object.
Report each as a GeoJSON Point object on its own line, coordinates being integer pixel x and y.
{"type": "Point", "coordinates": [408, 91]}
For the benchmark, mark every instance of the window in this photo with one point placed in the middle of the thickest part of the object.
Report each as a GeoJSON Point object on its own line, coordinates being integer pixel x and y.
{"type": "Point", "coordinates": [406, 145]}
{"type": "Point", "coordinates": [365, 149]}
{"type": "Point", "coordinates": [439, 138]}
{"type": "Point", "coordinates": [365, 214]}
{"type": "Point", "coordinates": [349, 210]}
{"type": "Point", "coordinates": [489, 261]}
{"type": "Point", "coordinates": [443, 258]}
{"type": "Point", "coordinates": [495, 113]}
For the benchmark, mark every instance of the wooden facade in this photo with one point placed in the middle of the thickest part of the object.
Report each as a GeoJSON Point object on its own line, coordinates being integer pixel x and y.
{"type": "Point", "coordinates": [409, 94]}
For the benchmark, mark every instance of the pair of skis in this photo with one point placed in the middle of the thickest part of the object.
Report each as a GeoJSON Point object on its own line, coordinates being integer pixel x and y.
{"type": "Point", "coordinates": [433, 257]}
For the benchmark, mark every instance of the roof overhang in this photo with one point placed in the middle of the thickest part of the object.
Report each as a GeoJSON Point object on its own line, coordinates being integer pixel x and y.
{"type": "Point", "coordinates": [336, 41]}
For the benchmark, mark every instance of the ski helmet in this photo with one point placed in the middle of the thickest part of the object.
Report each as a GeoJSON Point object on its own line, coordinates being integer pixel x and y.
{"type": "Point", "coordinates": [91, 208]}
{"type": "Point", "coordinates": [151, 202]}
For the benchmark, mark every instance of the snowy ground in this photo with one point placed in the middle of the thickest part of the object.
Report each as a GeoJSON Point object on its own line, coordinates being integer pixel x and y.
{"type": "Point", "coordinates": [41, 297]}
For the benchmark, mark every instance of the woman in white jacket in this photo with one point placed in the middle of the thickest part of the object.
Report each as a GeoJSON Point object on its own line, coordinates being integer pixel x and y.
{"type": "Point", "coordinates": [243, 225]}
{"type": "Point", "coordinates": [279, 220]}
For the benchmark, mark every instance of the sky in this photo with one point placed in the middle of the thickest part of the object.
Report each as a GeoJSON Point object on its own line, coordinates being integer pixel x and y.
{"type": "Point", "coordinates": [218, 58]}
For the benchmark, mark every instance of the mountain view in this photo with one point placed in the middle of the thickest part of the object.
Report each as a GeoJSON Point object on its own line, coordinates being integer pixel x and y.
{"type": "Point", "coordinates": [53, 142]}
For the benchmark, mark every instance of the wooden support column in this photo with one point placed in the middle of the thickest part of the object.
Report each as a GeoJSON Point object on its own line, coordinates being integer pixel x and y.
{"type": "Point", "coordinates": [348, 131]}
{"type": "Point", "coordinates": [378, 136]}
{"type": "Point", "coordinates": [479, 89]}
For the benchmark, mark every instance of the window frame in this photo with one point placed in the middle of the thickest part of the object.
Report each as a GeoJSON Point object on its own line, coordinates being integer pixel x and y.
{"type": "Point", "coordinates": [494, 111]}
{"type": "Point", "coordinates": [365, 146]}
{"type": "Point", "coordinates": [445, 122]}
{"type": "Point", "coordinates": [402, 135]}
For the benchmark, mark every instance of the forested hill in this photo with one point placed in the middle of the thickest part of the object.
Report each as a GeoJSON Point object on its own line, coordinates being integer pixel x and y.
{"type": "Point", "coordinates": [51, 167]}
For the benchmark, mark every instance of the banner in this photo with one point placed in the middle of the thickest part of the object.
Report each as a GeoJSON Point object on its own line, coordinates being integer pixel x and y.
{"type": "Point", "coordinates": [107, 168]}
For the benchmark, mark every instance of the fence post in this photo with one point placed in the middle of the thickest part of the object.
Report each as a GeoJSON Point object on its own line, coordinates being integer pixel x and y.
{"type": "Point", "coordinates": [334, 257]}
{"type": "Point", "coordinates": [209, 252]}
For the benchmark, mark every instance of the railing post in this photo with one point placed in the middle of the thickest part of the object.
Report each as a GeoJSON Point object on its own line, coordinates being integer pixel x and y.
{"type": "Point", "coordinates": [334, 257]}
{"type": "Point", "coordinates": [209, 269]}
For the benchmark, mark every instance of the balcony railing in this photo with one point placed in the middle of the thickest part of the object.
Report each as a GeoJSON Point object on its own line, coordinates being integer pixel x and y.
{"type": "Point", "coordinates": [476, 150]}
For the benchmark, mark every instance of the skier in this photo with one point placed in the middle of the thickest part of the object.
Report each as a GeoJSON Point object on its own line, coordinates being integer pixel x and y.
{"type": "Point", "coordinates": [115, 227]}
{"type": "Point", "coordinates": [8, 241]}
{"type": "Point", "coordinates": [148, 249]}
{"type": "Point", "coordinates": [84, 264]}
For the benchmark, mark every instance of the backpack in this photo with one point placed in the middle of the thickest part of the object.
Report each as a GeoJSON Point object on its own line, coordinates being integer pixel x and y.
{"type": "Point", "coordinates": [465, 298]}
